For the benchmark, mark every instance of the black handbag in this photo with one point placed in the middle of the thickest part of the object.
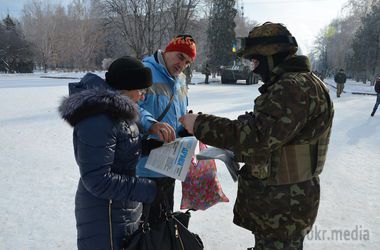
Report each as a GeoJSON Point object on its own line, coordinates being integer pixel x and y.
{"type": "Point", "coordinates": [169, 234]}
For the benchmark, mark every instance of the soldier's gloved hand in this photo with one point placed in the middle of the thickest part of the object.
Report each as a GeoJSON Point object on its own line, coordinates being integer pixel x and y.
{"type": "Point", "coordinates": [247, 116]}
{"type": "Point", "coordinates": [187, 122]}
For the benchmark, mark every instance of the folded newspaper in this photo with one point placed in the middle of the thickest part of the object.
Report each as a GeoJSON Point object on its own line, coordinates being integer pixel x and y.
{"type": "Point", "coordinates": [173, 159]}
{"type": "Point", "coordinates": [225, 156]}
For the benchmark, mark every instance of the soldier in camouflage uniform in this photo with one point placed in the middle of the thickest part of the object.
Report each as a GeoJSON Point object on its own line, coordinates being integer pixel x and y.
{"type": "Point", "coordinates": [283, 142]}
{"type": "Point", "coordinates": [340, 80]}
{"type": "Point", "coordinates": [188, 71]}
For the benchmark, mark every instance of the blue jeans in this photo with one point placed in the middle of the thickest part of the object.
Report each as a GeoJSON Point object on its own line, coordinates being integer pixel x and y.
{"type": "Point", "coordinates": [376, 104]}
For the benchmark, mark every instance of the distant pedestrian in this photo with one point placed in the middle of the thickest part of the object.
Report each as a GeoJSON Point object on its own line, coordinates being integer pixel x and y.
{"type": "Point", "coordinates": [188, 71]}
{"type": "Point", "coordinates": [340, 80]}
{"type": "Point", "coordinates": [377, 89]}
{"type": "Point", "coordinates": [206, 72]}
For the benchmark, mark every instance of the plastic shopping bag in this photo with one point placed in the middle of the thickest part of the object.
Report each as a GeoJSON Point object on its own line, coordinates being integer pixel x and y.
{"type": "Point", "coordinates": [202, 189]}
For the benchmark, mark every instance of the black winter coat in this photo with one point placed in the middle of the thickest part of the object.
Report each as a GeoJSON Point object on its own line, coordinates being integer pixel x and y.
{"type": "Point", "coordinates": [107, 148]}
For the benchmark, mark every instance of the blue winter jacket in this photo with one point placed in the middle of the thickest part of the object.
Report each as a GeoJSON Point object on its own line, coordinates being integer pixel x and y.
{"type": "Point", "coordinates": [156, 100]}
{"type": "Point", "coordinates": [107, 148]}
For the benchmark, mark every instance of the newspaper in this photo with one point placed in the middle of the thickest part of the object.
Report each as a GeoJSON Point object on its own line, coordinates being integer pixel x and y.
{"type": "Point", "coordinates": [173, 159]}
{"type": "Point", "coordinates": [225, 156]}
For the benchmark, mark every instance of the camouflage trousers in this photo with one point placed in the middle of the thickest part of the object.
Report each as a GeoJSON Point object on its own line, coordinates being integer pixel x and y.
{"type": "Point", "coordinates": [273, 244]}
{"type": "Point", "coordinates": [279, 216]}
{"type": "Point", "coordinates": [339, 89]}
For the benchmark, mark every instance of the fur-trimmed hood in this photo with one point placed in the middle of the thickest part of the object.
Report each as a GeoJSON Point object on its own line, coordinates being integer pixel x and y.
{"type": "Point", "coordinates": [92, 102]}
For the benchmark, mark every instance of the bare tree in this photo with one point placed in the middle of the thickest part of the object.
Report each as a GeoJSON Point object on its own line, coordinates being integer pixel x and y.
{"type": "Point", "coordinates": [142, 24]}
{"type": "Point", "coordinates": [359, 8]}
{"type": "Point", "coordinates": [366, 46]}
{"type": "Point", "coordinates": [86, 39]}
{"type": "Point", "coordinates": [64, 38]}
{"type": "Point", "coordinates": [82, 34]}
{"type": "Point", "coordinates": [182, 11]}
{"type": "Point", "coordinates": [243, 24]}
{"type": "Point", "coordinates": [39, 28]}
{"type": "Point", "coordinates": [146, 25]}
{"type": "Point", "coordinates": [319, 53]}
{"type": "Point", "coordinates": [335, 47]}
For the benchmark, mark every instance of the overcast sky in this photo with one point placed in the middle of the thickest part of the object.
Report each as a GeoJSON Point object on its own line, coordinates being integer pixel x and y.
{"type": "Point", "coordinates": [304, 18]}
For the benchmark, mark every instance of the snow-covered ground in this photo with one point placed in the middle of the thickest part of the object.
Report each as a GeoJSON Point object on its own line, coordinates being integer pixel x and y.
{"type": "Point", "coordinates": [38, 174]}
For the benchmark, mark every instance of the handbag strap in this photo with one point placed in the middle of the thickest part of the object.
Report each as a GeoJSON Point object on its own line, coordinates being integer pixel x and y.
{"type": "Point", "coordinates": [145, 215]}
{"type": "Point", "coordinates": [145, 212]}
{"type": "Point", "coordinates": [163, 186]}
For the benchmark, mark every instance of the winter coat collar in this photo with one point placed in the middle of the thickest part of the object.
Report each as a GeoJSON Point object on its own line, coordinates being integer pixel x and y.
{"type": "Point", "coordinates": [87, 103]}
{"type": "Point", "coordinates": [293, 64]}
{"type": "Point", "coordinates": [89, 81]}
{"type": "Point", "coordinates": [160, 57]}
{"type": "Point", "coordinates": [157, 62]}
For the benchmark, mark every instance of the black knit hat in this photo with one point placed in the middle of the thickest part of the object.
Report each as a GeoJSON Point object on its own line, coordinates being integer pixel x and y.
{"type": "Point", "coordinates": [128, 73]}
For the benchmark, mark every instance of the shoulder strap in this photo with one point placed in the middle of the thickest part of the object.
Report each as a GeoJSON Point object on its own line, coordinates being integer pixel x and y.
{"type": "Point", "coordinates": [145, 136]}
{"type": "Point", "coordinates": [166, 109]}
{"type": "Point", "coordinates": [145, 212]}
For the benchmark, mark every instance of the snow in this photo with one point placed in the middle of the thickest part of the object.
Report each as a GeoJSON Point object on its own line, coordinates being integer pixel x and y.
{"type": "Point", "coordinates": [38, 175]}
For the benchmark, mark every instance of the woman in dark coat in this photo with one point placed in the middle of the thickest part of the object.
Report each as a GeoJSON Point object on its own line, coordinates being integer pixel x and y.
{"type": "Point", "coordinates": [108, 202]}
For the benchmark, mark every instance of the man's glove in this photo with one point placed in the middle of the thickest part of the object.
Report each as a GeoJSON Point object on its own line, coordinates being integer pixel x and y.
{"type": "Point", "coordinates": [149, 144]}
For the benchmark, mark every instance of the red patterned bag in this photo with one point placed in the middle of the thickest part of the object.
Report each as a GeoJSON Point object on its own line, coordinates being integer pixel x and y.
{"type": "Point", "coordinates": [202, 189]}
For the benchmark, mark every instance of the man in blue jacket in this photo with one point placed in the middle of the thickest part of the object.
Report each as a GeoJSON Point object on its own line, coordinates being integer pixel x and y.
{"type": "Point", "coordinates": [168, 92]}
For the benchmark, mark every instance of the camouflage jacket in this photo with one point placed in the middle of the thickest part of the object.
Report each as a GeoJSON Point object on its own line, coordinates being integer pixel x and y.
{"type": "Point", "coordinates": [340, 77]}
{"type": "Point", "coordinates": [295, 109]}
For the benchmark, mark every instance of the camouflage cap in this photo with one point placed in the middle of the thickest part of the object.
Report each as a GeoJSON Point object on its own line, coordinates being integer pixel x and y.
{"type": "Point", "coordinates": [268, 39]}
